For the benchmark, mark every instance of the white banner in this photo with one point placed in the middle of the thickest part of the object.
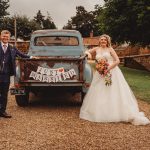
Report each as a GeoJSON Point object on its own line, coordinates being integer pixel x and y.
{"type": "Point", "coordinates": [49, 72]}
{"type": "Point", "coordinates": [52, 75]}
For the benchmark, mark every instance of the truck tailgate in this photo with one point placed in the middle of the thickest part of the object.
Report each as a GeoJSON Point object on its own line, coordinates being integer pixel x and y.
{"type": "Point", "coordinates": [51, 71]}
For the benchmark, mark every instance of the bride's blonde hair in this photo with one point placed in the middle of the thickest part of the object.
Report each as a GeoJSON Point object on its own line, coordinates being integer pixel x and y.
{"type": "Point", "coordinates": [108, 39]}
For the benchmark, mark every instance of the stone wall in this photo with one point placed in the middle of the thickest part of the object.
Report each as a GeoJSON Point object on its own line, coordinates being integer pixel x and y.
{"type": "Point", "coordinates": [132, 50]}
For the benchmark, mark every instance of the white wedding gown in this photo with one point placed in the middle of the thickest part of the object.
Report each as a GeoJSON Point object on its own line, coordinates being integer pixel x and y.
{"type": "Point", "coordinates": [114, 103]}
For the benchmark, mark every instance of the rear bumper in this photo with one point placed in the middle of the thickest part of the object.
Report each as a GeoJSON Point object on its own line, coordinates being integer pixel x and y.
{"type": "Point", "coordinates": [46, 88]}
{"type": "Point", "coordinates": [43, 84]}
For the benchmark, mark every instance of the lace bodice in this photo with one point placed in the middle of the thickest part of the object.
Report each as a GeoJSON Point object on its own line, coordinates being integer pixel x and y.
{"type": "Point", "coordinates": [103, 54]}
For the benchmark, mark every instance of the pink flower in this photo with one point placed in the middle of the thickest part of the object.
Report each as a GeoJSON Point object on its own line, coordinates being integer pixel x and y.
{"type": "Point", "coordinates": [102, 68]}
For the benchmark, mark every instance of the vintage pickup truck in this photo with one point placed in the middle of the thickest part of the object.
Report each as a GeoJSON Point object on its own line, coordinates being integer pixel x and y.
{"type": "Point", "coordinates": [60, 65]}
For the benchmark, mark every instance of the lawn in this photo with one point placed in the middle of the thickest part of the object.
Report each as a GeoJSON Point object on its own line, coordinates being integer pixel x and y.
{"type": "Point", "coordinates": [138, 80]}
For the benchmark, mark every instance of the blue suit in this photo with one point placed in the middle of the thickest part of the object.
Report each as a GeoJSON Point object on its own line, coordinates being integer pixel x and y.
{"type": "Point", "coordinates": [7, 69]}
{"type": "Point", "coordinates": [14, 53]}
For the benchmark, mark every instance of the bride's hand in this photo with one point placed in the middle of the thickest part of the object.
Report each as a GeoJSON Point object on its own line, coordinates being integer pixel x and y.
{"type": "Point", "coordinates": [34, 57]}
{"type": "Point", "coordinates": [88, 55]}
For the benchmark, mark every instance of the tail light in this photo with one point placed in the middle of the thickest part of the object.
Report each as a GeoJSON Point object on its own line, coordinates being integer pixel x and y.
{"type": "Point", "coordinates": [17, 85]}
{"type": "Point", "coordinates": [87, 85]}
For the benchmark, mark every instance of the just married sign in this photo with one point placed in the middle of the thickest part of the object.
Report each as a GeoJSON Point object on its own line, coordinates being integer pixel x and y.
{"type": "Point", "coordinates": [52, 75]}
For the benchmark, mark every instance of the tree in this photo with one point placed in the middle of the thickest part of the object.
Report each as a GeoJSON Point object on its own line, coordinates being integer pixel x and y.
{"type": "Point", "coordinates": [84, 21]}
{"type": "Point", "coordinates": [25, 26]}
{"type": "Point", "coordinates": [39, 18]}
{"type": "Point", "coordinates": [48, 23]}
{"type": "Point", "coordinates": [8, 24]}
{"type": "Point", "coordinates": [4, 5]}
{"type": "Point", "coordinates": [126, 20]}
{"type": "Point", "coordinates": [44, 23]}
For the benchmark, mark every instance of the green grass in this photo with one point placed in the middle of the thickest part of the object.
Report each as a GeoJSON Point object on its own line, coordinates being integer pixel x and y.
{"type": "Point", "coordinates": [138, 80]}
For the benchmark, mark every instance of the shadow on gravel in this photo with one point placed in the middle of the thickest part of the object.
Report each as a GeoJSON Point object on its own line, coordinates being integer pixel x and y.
{"type": "Point", "coordinates": [55, 100]}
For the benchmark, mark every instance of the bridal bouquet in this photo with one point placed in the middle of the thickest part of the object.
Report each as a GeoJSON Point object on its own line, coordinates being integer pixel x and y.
{"type": "Point", "coordinates": [102, 67]}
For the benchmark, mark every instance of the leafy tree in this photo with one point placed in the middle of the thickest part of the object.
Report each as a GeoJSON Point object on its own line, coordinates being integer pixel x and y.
{"type": "Point", "coordinates": [8, 24]}
{"type": "Point", "coordinates": [24, 28]}
{"type": "Point", "coordinates": [44, 23]}
{"type": "Point", "coordinates": [126, 20]}
{"type": "Point", "coordinates": [39, 18]}
{"type": "Point", "coordinates": [84, 21]}
{"type": "Point", "coordinates": [4, 5]}
{"type": "Point", "coordinates": [48, 23]}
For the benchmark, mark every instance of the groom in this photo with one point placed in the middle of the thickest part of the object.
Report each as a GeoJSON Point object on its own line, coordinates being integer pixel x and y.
{"type": "Point", "coordinates": [8, 54]}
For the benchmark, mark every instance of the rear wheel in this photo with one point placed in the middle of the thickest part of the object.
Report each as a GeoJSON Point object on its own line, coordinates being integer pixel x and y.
{"type": "Point", "coordinates": [22, 100]}
{"type": "Point", "coordinates": [82, 96]}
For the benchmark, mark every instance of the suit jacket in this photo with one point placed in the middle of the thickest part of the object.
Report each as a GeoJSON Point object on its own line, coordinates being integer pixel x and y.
{"type": "Point", "coordinates": [14, 53]}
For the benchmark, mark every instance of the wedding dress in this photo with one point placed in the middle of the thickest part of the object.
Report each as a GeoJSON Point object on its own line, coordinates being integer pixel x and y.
{"type": "Point", "coordinates": [114, 103]}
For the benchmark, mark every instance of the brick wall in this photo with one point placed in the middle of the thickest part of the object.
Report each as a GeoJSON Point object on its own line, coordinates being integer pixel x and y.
{"type": "Point", "coordinates": [22, 46]}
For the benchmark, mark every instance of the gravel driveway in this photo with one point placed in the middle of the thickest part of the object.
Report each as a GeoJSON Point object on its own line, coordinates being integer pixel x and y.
{"type": "Point", "coordinates": [54, 124]}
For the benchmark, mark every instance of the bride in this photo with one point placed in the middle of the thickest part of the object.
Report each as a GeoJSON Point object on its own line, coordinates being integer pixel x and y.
{"type": "Point", "coordinates": [114, 102]}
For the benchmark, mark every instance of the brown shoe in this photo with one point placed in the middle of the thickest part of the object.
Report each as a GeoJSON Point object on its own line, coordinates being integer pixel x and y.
{"type": "Point", "coordinates": [5, 115]}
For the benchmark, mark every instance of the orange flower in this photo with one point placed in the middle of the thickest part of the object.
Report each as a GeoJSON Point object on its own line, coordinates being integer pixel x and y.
{"type": "Point", "coordinates": [102, 68]}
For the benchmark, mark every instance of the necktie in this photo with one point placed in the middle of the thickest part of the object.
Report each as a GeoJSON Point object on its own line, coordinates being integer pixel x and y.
{"type": "Point", "coordinates": [4, 48]}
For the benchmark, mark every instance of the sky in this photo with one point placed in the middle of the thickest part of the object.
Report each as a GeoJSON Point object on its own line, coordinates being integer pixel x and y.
{"type": "Point", "coordinates": [60, 10]}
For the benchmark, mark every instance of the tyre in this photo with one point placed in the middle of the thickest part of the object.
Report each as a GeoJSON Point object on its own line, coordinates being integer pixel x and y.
{"type": "Point", "coordinates": [22, 100]}
{"type": "Point", "coordinates": [82, 96]}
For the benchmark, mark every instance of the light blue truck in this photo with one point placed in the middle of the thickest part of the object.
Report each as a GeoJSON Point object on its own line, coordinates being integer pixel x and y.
{"type": "Point", "coordinates": [60, 65]}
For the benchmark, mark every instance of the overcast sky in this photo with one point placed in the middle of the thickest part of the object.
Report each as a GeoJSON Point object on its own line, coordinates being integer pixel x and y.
{"type": "Point", "coordinates": [60, 10]}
